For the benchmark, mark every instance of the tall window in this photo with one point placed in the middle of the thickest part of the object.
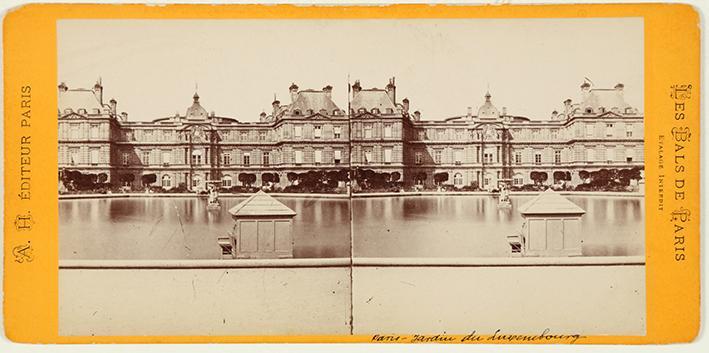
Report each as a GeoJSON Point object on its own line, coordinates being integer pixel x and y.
{"type": "Point", "coordinates": [226, 181]}
{"type": "Point", "coordinates": [422, 135]}
{"type": "Point", "coordinates": [126, 158]}
{"type": "Point", "coordinates": [148, 135]}
{"type": "Point", "coordinates": [318, 156]}
{"type": "Point", "coordinates": [338, 132]}
{"type": "Point", "coordinates": [629, 154]}
{"type": "Point", "coordinates": [387, 130]}
{"type": "Point", "coordinates": [266, 158]}
{"type": "Point", "coordinates": [437, 154]}
{"type": "Point", "coordinates": [590, 154]}
{"type": "Point", "coordinates": [609, 130]}
{"type": "Point", "coordinates": [368, 156]}
{"type": "Point", "coordinates": [368, 131]}
{"type": "Point", "coordinates": [298, 157]}
{"type": "Point", "coordinates": [94, 131]}
{"type": "Point", "coordinates": [458, 179]}
{"type": "Point", "coordinates": [387, 155]}
{"type": "Point", "coordinates": [610, 154]}
{"type": "Point", "coordinates": [146, 157]}
{"type": "Point", "coordinates": [166, 157]}
{"type": "Point", "coordinates": [557, 157]}
{"type": "Point", "coordinates": [628, 130]}
{"type": "Point", "coordinates": [247, 159]}
{"type": "Point", "coordinates": [244, 136]}
{"type": "Point", "coordinates": [74, 155]}
{"type": "Point", "coordinates": [317, 131]}
{"type": "Point", "coordinates": [487, 157]}
{"type": "Point", "coordinates": [518, 157]}
{"type": "Point", "coordinates": [419, 158]}
{"type": "Point", "coordinates": [338, 156]}
{"type": "Point", "coordinates": [166, 181]}
{"type": "Point", "coordinates": [298, 131]}
{"type": "Point", "coordinates": [74, 131]}
{"type": "Point", "coordinates": [589, 130]}
{"type": "Point", "coordinates": [537, 158]}
{"type": "Point", "coordinates": [441, 134]}
{"type": "Point", "coordinates": [94, 155]}
{"type": "Point", "coordinates": [262, 135]}
{"type": "Point", "coordinates": [554, 134]}
{"type": "Point", "coordinates": [226, 158]}
{"type": "Point", "coordinates": [197, 157]}
{"type": "Point", "coordinates": [458, 156]}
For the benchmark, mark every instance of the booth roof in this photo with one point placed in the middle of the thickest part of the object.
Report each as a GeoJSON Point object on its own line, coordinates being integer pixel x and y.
{"type": "Point", "coordinates": [550, 202]}
{"type": "Point", "coordinates": [261, 204]}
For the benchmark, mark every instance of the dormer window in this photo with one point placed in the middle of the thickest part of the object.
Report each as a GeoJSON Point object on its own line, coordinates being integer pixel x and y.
{"type": "Point", "coordinates": [323, 111]}
{"type": "Point", "coordinates": [68, 111]}
{"type": "Point", "coordinates": [361, 110]}
{"type": "Point", "coordinates": [82, 111]}
{"type": "Point", "coordinates": [375, 111]}
{"type": "Point", "coordinates": [589, 110]}
{"type": "Point", "coordinates": [601, 110]}
{"type": "Point", "coordinates": [335, 112]}
{"type": "Point", "coordinates": [390, 111]}
{"type": "Point", "coordinates": [296, 112]}
{"type": "Point", "coordinates": [310, 112]}
{"type": "Point", "coordinates": [628, 110]}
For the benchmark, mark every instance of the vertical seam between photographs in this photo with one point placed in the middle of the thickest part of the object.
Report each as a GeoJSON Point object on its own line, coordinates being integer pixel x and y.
{"type": "Point", "coordinates": [351, 208]}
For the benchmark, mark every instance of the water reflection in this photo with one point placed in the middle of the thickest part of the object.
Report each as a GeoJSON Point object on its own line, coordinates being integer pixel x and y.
{"type": "Point", "coordinates": [435, 226]}
{"type": "Point", "coordinates": [473, 226]}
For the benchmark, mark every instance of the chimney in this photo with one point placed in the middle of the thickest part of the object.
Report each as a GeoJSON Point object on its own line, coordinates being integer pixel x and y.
{"type": "Point", "coordinates": [62, 87]}
{"type": "Point", "coordinates": [619, 88]}
{"type": "Point", "coordinates": [328, 91]}
{"type": "Point", "coordinates": [98, 91]}
{"type": "Point", "coordinates": [113, 104]}
{"type": "Point", "coordinates": [391, 90]}
{"type": "Point", "coordinates": [276, 106]}
{"type": "Point", "coordinates": [356, 87]}
{"type": "Point", "coordinates": [554, 115]}
{"type": "Point", "coordinates": [585, 91]}
{"type": "Point", "coordinates": [567, 106]}
{"type": "Point", "coordinates": [293, 89]}
{"type": "Point", "coordinates": [262, 117]}
{"type": "Point", "coordinates": [470, 113]}
{"type": "Point", "coordinates": [405, 103]}
{"type": "Point", "coordinates": [417, 115]}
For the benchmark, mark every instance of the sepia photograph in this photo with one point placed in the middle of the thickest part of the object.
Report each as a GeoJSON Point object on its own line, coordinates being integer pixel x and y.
{"type": "Point", "coordinates": [351, 177]}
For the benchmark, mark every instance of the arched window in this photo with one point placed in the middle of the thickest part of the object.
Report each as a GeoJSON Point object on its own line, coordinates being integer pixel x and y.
{"type": "Point", "coordinates": [196, 181]}
{"type": "Point", "coordinates": [458, 180]}
{"type": "Point", "coordinates": [589, 110]}
{"type": "Point", "coordinates": [296, 112]}
{"type": "Point", "coordinates": [166, 181]}
{"type": "Point", "coordinates": [226, 181]}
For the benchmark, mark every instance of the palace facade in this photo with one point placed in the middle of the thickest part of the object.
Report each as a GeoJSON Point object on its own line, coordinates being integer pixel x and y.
{"type": "Point", "coordinates": [378, 132]}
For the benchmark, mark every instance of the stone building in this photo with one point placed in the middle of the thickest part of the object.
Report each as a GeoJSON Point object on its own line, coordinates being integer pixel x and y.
{"type": "Point", "coordinates": [311, 132]}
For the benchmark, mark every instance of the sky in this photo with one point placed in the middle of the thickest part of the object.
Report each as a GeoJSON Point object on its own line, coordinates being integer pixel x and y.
{"type": "Point", "coordinates": [153, 67]}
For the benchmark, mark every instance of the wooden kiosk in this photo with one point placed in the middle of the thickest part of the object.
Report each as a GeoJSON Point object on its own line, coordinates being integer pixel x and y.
{"type": "Point", "coordinates": [263, 229]}
{"type": "Point", "coordinates": [551, 227]}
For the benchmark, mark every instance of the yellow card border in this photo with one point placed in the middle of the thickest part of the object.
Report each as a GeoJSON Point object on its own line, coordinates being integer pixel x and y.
{"type": "Point", "coordinates": [672, 57]}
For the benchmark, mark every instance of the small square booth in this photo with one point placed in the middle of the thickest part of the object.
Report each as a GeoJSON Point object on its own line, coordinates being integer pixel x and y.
{"type": "Point", "coordinates": [552, 227]}
{"type": "Point", "coordinates": [263, 228]}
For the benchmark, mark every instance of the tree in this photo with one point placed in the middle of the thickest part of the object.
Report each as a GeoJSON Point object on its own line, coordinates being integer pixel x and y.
{"type": "Point", "coordinates": [538, 177]}
{"type": "Point", "coordinates": [266, 178]}
{"type": "Point", "coordinates": [584, 175]}
{"type": "Point", "coordinates": [127, 179]}
{"type": "Point", "coordinates": [440, 178]}
{"type": "Point", "coordinates": [292, 177]}
{"type": "Point", "coordinates": [102, 178]}
{"type": "Point", "coordinates": [247, 179]}
{"type": "Point", "coordinates": [395, 176]}
{"type": "Point", "coordinates": [420, 177]}
{"type": "Point", "coordinates": [561, 176]}
{"type": "Point", "coordinates": [148, 179]}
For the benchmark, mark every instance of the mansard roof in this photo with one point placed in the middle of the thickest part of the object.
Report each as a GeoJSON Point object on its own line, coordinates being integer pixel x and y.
{"type": "Point", "coordinates": [372, 98]}
{"type": "Point", "coordinates": [605, 98]}
{"type": "Point", "coordinates": [312, 100]}
{"type": "Point", "coordinates": [76, 99]}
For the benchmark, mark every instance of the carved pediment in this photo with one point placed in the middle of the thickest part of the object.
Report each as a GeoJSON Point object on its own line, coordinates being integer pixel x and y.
{"type": "Point", "coordinates": [73, 116]}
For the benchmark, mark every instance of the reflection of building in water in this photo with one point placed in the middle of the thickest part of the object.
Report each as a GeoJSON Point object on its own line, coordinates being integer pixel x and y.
{"type": "Point", "coordinates": [379, 132]}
